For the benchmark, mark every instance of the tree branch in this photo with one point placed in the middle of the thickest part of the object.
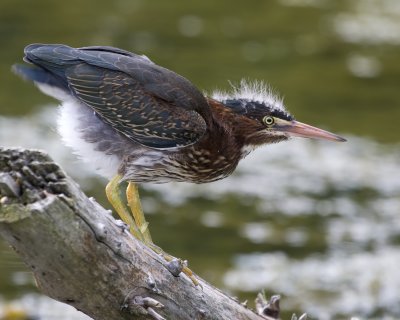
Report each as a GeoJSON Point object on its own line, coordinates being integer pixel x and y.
{"type": "Point", "coordinates": [80, 255]}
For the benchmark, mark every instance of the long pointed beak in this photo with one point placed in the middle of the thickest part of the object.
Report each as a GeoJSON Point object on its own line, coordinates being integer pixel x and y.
{"type": "Point", "coordinates": [299, 129]}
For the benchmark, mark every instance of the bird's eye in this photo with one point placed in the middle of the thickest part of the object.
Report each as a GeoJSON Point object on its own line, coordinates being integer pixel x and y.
{"type": "Point", "coordinates": [268, 120]}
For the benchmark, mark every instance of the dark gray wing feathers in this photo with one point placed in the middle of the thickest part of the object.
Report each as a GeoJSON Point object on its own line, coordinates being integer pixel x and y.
{"type": "Point", "coordinates": [121, 102]}
{"type": "Point", "coordinates": [145, 102]}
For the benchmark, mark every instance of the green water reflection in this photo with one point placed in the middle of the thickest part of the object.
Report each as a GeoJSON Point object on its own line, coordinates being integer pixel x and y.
{"type": "Point", "coordinates": [332, 66]}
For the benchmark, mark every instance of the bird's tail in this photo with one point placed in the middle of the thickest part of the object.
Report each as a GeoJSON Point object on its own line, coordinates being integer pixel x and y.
{"type": "Point", "coordinates": [36, 74]}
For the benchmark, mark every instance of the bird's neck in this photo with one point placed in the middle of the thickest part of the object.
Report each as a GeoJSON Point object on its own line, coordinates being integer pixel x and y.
{"type": "Point", "coordinates": [229, 129]}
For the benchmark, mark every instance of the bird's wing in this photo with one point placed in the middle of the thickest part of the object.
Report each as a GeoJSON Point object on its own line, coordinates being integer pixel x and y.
{"type": "Point", "coordinates": [130, 108]}
{"type": "Point", "coordinates": [147, 103]}
{"type": "Point", "coordinates": [160, 82]}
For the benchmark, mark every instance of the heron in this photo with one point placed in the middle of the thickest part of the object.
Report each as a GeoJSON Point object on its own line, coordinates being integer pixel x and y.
{"type": "Point", "coordinates": [138, 122]}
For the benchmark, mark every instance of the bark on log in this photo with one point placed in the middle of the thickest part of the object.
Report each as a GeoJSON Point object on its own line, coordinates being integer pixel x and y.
{"type": "Point", "coordinates": [80, 255]}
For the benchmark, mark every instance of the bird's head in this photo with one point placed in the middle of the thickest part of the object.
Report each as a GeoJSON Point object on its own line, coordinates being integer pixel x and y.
{"type": "Point", "coordinates": [261, 118]}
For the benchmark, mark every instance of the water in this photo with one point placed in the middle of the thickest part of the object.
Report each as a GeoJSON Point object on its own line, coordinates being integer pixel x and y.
{"type": "Point", "coordinates": [316, 222]}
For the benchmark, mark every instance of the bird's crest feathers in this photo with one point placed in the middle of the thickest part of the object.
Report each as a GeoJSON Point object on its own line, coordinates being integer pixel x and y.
{"type": "Point", "coordinates": [257, 91]}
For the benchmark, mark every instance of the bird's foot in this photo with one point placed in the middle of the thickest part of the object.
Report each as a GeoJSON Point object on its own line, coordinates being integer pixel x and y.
{"type": "Point", "coordinates": [139, 227]}
{"type": "Point", "coordinates": [175, 265]}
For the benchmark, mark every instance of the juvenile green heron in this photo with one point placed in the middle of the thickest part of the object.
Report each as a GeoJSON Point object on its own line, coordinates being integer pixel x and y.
{"type": "Point", "coordinates": [138, 122]}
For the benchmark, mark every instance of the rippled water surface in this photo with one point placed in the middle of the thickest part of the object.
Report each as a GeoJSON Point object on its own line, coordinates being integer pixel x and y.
{"type": "Point", "coordinates": [317, 222]}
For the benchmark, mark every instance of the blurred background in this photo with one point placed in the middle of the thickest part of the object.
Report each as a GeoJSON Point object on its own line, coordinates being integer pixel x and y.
{"type": "Point", "coordinates": [316, 222]}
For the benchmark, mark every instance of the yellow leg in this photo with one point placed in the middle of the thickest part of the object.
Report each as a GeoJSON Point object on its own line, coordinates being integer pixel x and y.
{"type": "Point", "coordinates": [114, 197]}
{"type": "Point", "coordinates": [132, 195]}
{"type": "Point", "coordinates": [135, 219]}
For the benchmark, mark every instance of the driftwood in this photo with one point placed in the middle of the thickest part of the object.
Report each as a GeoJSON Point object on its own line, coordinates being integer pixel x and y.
{"type": "Point", "coordinates": [80, 255]}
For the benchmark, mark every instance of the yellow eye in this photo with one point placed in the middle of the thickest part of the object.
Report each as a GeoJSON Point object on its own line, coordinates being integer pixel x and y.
{"type": "Point", "coordinates": [268, 120]}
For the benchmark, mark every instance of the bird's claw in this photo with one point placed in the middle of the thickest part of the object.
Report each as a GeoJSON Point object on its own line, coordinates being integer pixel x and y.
{"type": "Point", "coordinates": [177, 266]}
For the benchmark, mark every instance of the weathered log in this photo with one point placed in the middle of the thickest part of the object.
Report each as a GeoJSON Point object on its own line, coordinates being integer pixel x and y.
{"type": "Point", "coordinates": [80, 255]}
